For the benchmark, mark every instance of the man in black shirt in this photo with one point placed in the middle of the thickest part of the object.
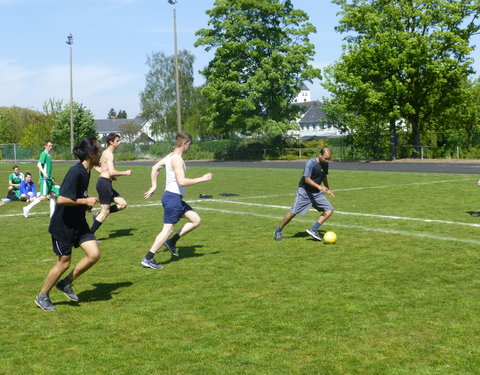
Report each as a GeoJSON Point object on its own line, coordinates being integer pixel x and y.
{"type": "Point", "coordinates": [311, 193]}
{"type": "Point", "coordinates": [68, 226]}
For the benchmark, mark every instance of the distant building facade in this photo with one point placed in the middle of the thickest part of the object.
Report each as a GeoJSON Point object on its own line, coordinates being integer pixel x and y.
{"type": "Point", "coordinates": [134, 130]}
{"type": "Point", "coordinates": [313, 123]}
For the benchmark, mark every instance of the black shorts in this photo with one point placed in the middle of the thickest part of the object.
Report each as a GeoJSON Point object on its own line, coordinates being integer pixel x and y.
{"type": "Point", "coordinates": [65, 248]}
{"type": "Point", "coordinates": [106, 193]}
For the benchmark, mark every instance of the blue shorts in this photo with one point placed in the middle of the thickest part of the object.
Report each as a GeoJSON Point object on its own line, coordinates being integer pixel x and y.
{"type": "Point", "coordinates": [304, 200]}
{"type": "Point", "coordinates": [173, 207]}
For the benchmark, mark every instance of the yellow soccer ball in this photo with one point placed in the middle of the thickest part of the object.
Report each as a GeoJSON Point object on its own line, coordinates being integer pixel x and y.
{"type": "Point", "coordinates": [329, 237]}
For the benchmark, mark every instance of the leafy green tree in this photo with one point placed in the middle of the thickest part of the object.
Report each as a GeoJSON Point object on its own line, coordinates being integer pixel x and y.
{"type": "Point", "coordinates": [83, 125]}
{"type": "Point", "coordinates": [403, 59]}
{"type": "Point", "coordinates": [158, 100]}
{"type": "Point", "coordinates": [36, 132]}
{"type": "Point", "coordinates": [13, 121]}
{"type": "Point", "coordinates": [262, 55]}
{"type": "Point", "coordinates": [122, 114]}
{"type": "Point", "coordinates": [112, 114]}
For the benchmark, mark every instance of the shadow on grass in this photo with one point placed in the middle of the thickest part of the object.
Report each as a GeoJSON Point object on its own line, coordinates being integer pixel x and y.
{"type": "Point", "coordinates": [186, 252]}
{"type": "Point", "coordinates": [119, 233]}
{"type": "Point", "coordinates": [306, 235]}
{"type": "Point", "coordinates": [101, 292]}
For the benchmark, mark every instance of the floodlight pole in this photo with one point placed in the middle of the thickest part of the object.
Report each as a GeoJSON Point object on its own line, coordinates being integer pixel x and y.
{"type": "Point", "coordinates": [177, 79]}
{"type": "Point", "coordinates": [70, 42]}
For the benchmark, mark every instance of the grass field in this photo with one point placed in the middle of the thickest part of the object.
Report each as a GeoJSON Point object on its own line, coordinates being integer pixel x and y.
{"type": "Point", "coordinates": [397, 294]}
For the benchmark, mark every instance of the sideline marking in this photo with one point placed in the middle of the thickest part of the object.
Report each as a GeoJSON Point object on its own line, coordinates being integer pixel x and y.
{"type": "Point", "coordinates": [356, 214]}
{"type": "Point", "coordinates": [361, 227]}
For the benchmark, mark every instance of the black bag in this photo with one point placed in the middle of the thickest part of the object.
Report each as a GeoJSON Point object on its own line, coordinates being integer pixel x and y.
{"type": "Point", "coordinates": [11, 195]}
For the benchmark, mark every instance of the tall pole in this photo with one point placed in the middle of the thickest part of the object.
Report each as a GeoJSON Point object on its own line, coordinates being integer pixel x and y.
{"type": "Point", "coordinates": [70, 42]}
{"type": "Point", "coordinates": [177, 79]}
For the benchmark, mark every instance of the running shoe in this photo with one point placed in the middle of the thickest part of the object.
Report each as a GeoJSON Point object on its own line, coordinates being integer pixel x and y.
{"type": "Point", "coordinates": [151, 263]}
{"type": "Point", "coordinates": [171, 248]}
{"type": "Point", "coordinates": [67, 290]}
{"type": "Point", "coordinates": [44, 303]}
{"type": "Point", "coordinates": [278, 236]}
{"type": "Point", "coordinates": [314, 233]}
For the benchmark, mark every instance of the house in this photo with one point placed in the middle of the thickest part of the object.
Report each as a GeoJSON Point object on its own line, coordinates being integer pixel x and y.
{"type": "Point", "coordinates": [132, 130]}
{"type": "Point", "coordinates": [313, 123]}
{"type": "Point", "coordinates": [304, 94]}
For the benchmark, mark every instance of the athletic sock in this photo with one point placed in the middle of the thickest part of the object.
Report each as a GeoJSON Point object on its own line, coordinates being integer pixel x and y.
{"type": "Point", "coordinates": [278, 230]}
{"type": "Point", "coordinates": [96, 224]}
{"type": "Point", "coordinates": [174, 239]}
{"type": "Point", "coordinates": [34, 203]}
{"type": "Point", "coordinates": [113, 209]}
{"type": "Point", "coordinates": [315, 226]}
{"type": "Point", "coordinates": [149, 255]}
{"type": "Point", "coordinates": [53, 202]}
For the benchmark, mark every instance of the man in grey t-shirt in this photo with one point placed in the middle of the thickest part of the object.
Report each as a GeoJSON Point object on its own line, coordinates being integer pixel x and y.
{"type": "Point", "coordinates": [311, 193]}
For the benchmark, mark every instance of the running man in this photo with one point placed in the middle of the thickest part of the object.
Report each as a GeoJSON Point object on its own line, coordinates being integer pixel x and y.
{"type": "Point", "coordinates": [68, 227]}
{"type": "Point", "coordinates": [108, 173]}
{"type": "Point", "coordinates": [311, 193]}
{"type": "Point", "coordinates": [47, 184]}
{"type": "Point", "coordinates": [174, 207]}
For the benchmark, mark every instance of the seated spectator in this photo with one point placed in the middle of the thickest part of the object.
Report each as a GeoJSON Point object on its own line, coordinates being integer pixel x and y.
{"type": "Point", "coordinates": [14, 180]}
{"type": "Point", "coordinates": [28, 191]}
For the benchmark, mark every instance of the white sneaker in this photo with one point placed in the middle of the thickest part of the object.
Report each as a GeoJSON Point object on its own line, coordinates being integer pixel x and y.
{"type": "Point", "coordinates": [25, 212]}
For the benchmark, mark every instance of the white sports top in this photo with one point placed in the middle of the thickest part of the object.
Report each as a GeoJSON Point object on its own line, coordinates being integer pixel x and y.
{"type": "Point", "coordinates": [171, 183]}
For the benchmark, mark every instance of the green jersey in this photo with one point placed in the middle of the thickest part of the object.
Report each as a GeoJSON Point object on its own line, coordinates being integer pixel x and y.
{"type": "Point", "coordinates": [46, 161]}
{"type": "Point", "coordinates": [15, 179]}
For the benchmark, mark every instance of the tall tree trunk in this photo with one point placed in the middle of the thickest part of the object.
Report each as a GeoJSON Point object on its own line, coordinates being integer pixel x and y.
{"type": "Point", "coordinates": [393, 139]}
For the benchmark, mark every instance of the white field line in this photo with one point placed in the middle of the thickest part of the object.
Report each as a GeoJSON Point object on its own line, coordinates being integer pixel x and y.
{"type": "Point", "coordinates": [360, 188]}
{"type": "Point", "coordinates": [354, 213]}
{"type": "Point", "coordinates": [273, 217]}
{"type": "Point", "coordinates": [360, 227]}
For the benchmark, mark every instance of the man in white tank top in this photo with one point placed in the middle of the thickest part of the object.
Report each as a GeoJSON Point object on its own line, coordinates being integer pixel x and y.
{"type": "Point", "coordinates": [172, 200]}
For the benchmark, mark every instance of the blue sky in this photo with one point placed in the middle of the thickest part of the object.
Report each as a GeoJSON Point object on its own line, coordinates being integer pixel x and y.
{"type": "Point", "coordinates": [112, 39]}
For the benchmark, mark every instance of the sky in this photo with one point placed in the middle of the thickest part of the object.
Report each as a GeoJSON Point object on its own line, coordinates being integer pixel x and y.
{"type": "Point", "coordinates": [111, 42]}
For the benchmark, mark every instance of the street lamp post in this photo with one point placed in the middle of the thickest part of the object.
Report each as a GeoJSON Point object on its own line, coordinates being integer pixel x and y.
{"type": "Point", "coordinates": [177, 81]}
{"type": "Point", "coordinates": [70, 42]}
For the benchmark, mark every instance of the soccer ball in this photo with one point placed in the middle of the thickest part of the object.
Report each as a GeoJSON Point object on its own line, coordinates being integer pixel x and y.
{"type": "Point", "coordinates": [329, 237]}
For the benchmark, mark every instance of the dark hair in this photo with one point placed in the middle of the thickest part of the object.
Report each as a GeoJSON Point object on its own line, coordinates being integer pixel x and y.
{"type": "Point", "coordinates": [111, 137]}
{"type": "Point", "coordinates": [322, 151]}
{"type": "Point", "coordinates": [28, 174]}
{"type": "Point", "coordinates": [87, 147]}
{"type": "Point", "coordinates": [15, 166]}
{"type": "Point", "coordinates": [48, 141]}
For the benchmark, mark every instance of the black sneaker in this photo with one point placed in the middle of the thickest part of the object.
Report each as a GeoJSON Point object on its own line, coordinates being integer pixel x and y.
{"type": "Point", "coordinates": [476, 214]}
{"type": "Point", "coordinates": [67, 290]}
{"type": "Point", "coordinates": [171, 248]}
{"type": "Point", "coordinates": [278, 236]}
{"type": "Point", "coordinates": [314, 233]}
{"type": "Point", "coordinates": [44, 303]}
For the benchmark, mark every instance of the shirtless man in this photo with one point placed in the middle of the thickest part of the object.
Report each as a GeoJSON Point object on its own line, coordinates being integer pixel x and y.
{"type": "Point", "coordinates": [108, 173]}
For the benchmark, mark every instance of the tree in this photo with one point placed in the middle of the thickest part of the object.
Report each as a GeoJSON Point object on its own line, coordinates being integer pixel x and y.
{"type": "Point", "coordinates": [83, 125]}
{"type": "Point", "coordinates": [112, 114]}
{"type": "Point", "coordinates": [35, 133]}
{"type": "Point", "coordinates": [122, 114]}
{"type": "Point", "coordinates": [262, 55]}
{"type": "Point", "coordinates": [403, 59]}
{"type": "Point", "coordinates": [130, 131]}
{"type": "Point", "coordinates": [158, 100]}
{"type": "Point", "coordinates": [13, 121]}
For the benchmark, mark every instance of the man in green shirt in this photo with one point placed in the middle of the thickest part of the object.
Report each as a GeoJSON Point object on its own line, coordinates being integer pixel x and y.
{"type": "Point", "coordinates": [47, 186]}
{"type": "Point", "coordinates": [14, 180]}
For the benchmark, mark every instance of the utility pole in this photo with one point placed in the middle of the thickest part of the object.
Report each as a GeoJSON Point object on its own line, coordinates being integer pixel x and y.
{"type": "Point", "coordinates": [177, 80]}
{"type": "Point", "coordinates": [70, 43]}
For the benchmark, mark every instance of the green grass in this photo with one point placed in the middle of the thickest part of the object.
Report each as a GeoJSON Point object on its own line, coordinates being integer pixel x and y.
{"type": "Point", "coordinates": [392, 296]}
